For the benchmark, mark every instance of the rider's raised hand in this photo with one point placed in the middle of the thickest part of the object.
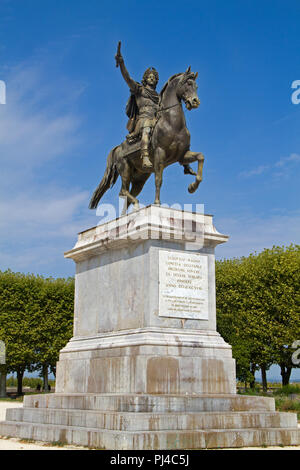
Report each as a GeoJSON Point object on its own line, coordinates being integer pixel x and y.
{"type": "Point", "coordinates": [118, 55]}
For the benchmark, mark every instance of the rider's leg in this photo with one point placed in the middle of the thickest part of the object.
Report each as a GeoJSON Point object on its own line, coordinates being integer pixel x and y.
{"type": "Point", "coordinates": [145, 142]}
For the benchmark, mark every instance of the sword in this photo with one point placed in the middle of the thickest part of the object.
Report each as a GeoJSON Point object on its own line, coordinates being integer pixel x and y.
{"type": "Point", "coordinates": [118, 54]}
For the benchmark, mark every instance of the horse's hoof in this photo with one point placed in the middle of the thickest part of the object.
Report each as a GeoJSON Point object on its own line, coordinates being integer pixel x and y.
{"type": "Point", "coordinates": [191, 188]}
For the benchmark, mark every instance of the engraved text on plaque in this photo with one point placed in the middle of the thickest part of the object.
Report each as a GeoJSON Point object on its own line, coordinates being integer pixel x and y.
{"type": "Point", "coordinates": [183, 285]}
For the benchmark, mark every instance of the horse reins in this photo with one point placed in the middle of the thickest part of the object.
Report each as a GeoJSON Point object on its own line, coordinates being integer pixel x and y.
{"type": "Point", "coordinates": [165, 109]}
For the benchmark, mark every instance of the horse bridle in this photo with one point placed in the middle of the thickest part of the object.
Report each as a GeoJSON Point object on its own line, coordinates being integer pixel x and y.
{"type": "Point", "coordinates": [168, 107]}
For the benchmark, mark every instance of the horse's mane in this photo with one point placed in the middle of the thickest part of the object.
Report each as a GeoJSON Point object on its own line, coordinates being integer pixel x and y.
{"type": "Point", "coordinates": [188, 74]}
{"type": "Point", "coordinates": [167, 83]}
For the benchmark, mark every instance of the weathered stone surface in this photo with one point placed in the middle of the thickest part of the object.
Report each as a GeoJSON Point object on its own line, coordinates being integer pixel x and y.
{"type": "Point", "coordinates": [144, 440]}
{"type": "Point", "coordinates": [151, 403]}
{"type": "Point", "coordinates": [147, 361]}
{"type": "Point", "coordinates": [152, 421]}
{"type": "Point", "coordinates": [124, 341]}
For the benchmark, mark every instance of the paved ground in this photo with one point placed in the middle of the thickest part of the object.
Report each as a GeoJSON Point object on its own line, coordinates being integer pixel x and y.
{"type": "Point", "coordinates": [16, 444]}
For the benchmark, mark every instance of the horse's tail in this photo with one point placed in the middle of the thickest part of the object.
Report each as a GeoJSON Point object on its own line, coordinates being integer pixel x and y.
{"type": "Point", "coordinates": [109, 178]}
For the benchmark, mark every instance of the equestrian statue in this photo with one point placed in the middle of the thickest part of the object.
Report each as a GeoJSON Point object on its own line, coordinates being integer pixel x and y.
{"type": "Point", "coordinates": [157, 137]}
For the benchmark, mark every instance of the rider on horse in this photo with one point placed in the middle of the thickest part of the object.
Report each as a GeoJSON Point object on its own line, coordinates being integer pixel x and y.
{"type": "Point", "coordinates": [170, 140]}
{"type": "Point", "coordinates": [141, 107]}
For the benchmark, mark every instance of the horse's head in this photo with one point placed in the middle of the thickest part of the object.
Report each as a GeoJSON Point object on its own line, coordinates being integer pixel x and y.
{"type": "Point", "coordinates": [187, 89]}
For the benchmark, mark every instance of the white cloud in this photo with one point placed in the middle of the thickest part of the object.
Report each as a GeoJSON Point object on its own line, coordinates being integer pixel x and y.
{"type": "Point", "coordinates": [282, 163]}
{"type": "Point", "coordinates": [39, 218]}
{"type": "Point", "coordinates": [53, 211]}
{"type": "Point", "coordinates": [256, 171]}
{"type": "Point", "coordinates": [294, 157]}
{"type": "Point", "coordinates": [254, 233]}
{"type": "Point", "coordinates": [32, 130]}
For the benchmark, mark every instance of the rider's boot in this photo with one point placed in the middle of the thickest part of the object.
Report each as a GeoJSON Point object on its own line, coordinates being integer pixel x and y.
{"type": "Point", "coordinates": [146, 163]}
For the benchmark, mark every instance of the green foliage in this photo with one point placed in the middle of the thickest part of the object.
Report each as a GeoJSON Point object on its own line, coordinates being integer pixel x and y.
{"type": "Point", "coordinates": [31, 382]}
{"type": "Point", "coordinates": [288, 390]}
{"type": "Point", "coordinates": [53, 324]}
{"type": "Point", "coordinates": [36, 318]}
{"type": "Point", "coordinates": [258, 308]}
{"type": "Point", "coordinates": [288, 404]}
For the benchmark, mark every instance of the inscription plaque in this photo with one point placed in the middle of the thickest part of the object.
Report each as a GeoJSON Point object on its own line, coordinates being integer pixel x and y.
{"type": "Point", "coordinates": [183, 285]}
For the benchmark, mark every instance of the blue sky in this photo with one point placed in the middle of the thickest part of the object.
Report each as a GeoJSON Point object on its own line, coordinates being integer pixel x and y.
{"type": "Point", "coordinates": [65, 110]}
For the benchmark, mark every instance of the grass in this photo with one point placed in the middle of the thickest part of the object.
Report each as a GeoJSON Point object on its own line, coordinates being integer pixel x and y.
{"type": "Point", "coordinates": [19, 398]}
{"type": "Point", "coordinates": [288, 404]}
{"type": "Point", "coordinates": [288, 390]}
{"type": "Point", "coordinates": [287, 398]}
{"type": "Point", "coordinates": [57, 444]}
{"type": "Point", "coordinates": [27, 441]}
{"type": "Point", "coordinates": [31, 382]}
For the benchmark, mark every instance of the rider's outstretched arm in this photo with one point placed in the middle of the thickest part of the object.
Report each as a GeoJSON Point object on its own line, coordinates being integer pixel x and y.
{"type": "Point", "coordinates": [120, 62]}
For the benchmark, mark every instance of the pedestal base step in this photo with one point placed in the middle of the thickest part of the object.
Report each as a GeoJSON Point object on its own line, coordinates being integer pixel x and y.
{"type": "Point", "coordinates": [151, 440]}
{"type": "Point", "coordinates": [150, 403]}
{"type": "Point", "coordinates": [176, 421]}
{"type": "Point", "coordinates": [142, 422]}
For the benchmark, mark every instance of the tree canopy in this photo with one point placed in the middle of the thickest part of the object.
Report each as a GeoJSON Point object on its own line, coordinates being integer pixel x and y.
{"type": "Point", "coordinates": [258, 309]}
{"type": "Point", "coordinates": [36, 320]}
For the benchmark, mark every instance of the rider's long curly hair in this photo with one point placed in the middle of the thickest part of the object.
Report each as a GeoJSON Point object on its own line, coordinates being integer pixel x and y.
{"type": "Point", "coordinates": [147, 72]}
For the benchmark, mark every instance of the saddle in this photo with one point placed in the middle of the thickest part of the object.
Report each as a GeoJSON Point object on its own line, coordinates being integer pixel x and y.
{"type": "Point", "coordinates": [130, 150]}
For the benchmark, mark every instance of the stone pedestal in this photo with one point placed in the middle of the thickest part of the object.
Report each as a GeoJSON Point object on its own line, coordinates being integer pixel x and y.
{"type": "Point", "coordinates": [146, 368]}
{"type": "Point", "coordinates": [145, 313]}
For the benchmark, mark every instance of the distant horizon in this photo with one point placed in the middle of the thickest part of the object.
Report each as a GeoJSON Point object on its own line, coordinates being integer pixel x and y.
{"type": "Point", "coordinates": [272, 379]}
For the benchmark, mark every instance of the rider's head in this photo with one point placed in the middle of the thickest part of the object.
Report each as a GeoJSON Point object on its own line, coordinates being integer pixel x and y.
{"type": "Point", "coordinates": [150, 77]}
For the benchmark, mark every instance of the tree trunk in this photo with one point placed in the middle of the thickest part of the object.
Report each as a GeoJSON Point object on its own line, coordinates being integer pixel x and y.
{"type": "Point", "coordinates": [264, 377]}
{"type": "Point", "coordinates": [20, 373]}
{"type": "Point", "coordinates": [285, 374]}
{"type": "Point", "coordinates": [45, 377]}
{"type": "Point", "coordinates": [3, 381]}
{"type": "Point", "coordinates": [252, 370]}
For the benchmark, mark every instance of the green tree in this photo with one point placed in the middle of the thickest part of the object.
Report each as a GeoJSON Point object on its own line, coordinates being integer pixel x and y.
{"type": "Point", "coordinates": [279, 270]}
{"type": "Point", "coordinates": [36, 320]}
{"type": "Point", "coordinates": [17, 309]}
{"type": "Point", "coordinates": [258, 309]}
{"type": "Point", "coordinates": [238, 316]}
{"type": "Point", "coordinates": [53, 324]}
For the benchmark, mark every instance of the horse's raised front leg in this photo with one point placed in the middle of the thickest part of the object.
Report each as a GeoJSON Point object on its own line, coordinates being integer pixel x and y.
{"type": "Point", "coordinates": [159, 157]}
{"type": "Point", "coordinates": [191, 157]}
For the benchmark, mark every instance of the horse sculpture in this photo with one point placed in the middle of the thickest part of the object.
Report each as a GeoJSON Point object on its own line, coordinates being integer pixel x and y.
{"type": "Point", "coordinates": [170, 143]}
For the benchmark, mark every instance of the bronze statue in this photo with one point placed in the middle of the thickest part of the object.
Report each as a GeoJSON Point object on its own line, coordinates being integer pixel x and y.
{"type": "Point", "coordinates": [164, 119]}
{"type": "Point", "coordinates": [141, 107]}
